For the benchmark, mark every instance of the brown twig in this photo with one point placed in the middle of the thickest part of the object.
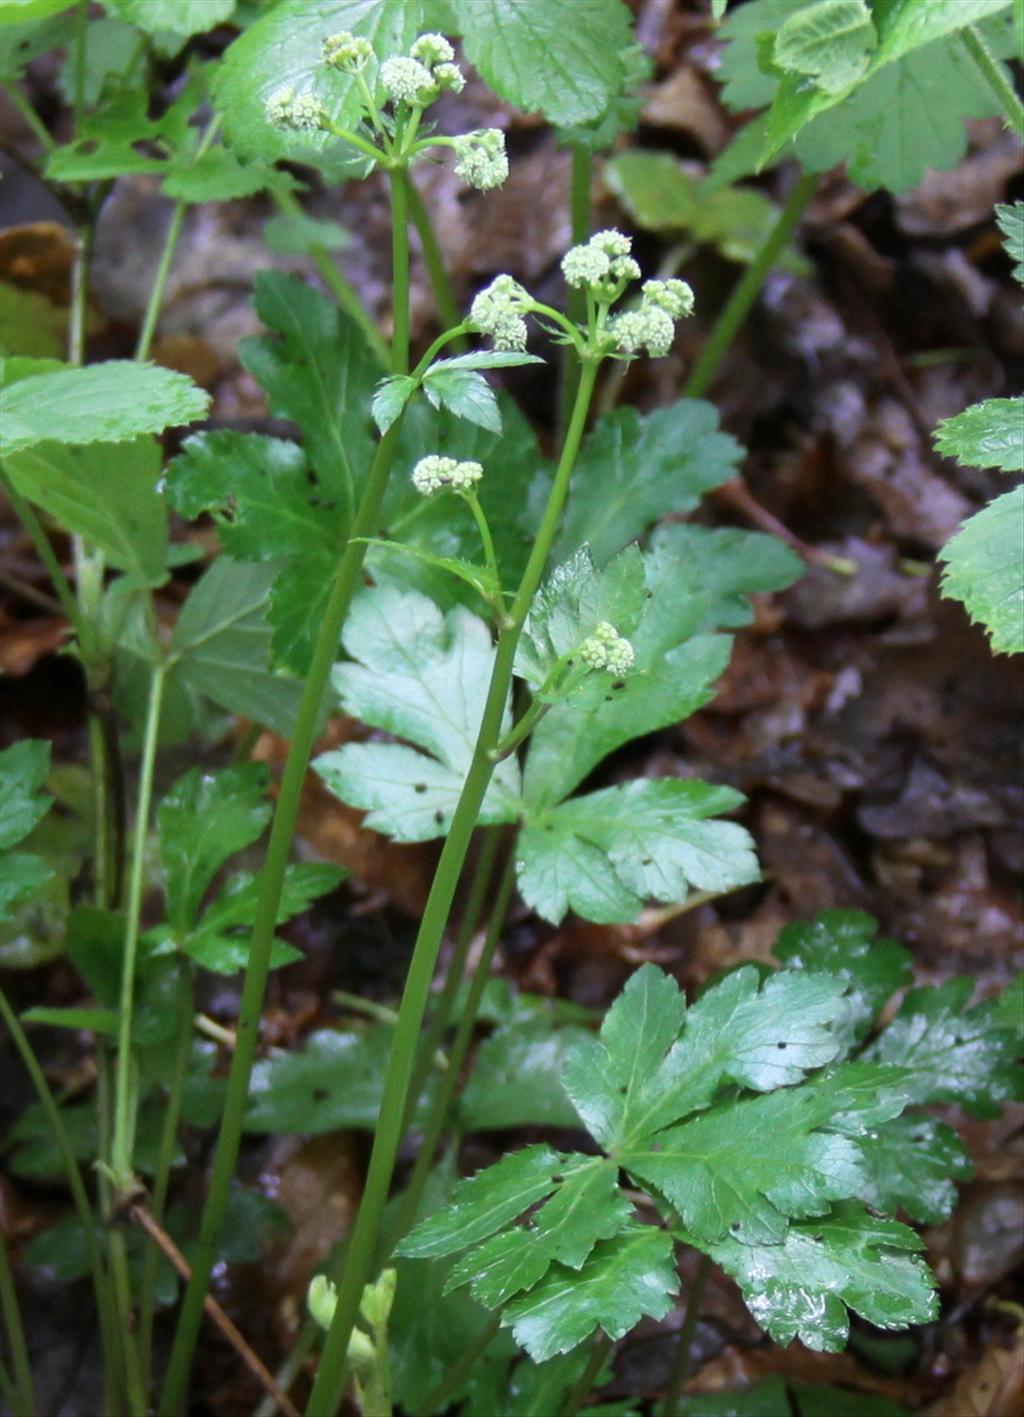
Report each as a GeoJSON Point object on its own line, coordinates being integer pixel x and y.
{"type": "Point", "coordinates": [160, 1237]}
{"type": "Point", "coordinates": [737, 495]}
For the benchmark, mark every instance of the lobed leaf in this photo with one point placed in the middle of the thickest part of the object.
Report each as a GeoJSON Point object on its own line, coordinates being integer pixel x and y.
{"type": "Point", "coordinates": [985, 570]}
{"type": "Point", "coordinates": [23, 769]}
{"type": "Point", "coordinates": [988, 434]}
{"type": "Point", "coordinates": [910, 1164]}
{"type": "Point", "coordinates": [1010, 220]}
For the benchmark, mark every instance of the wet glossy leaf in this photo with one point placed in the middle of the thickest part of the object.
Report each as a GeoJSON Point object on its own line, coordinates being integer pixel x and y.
{"type": "Point", "coordinates": [989, 434]}
{"type": "Point", "coordinates": [23, 770]}
{"type": "Point", "coordinates": [985, 570]}
{"type": "Point", "coordinates": [911, 1164]}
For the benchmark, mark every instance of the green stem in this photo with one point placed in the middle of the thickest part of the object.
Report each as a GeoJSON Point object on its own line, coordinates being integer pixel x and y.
{"type": "Point", "coordinates": [521, 730]}
{"type": "Point", "coordinates": [433, 259]}
{"type": "Point", "coordinates": [748, 287]}
{"type": "Point", "coordinates": [24, 1404]}
{"type": "Point", "coordinates": [79, 292]}
{"type": "Point", "coordinates": [163, 270]}
{"type": "Point", "coordinates": [410, 1203]}
{"type": "Point", "coordinates": [125, 1077]}
{"type": "Point", "coordinates": [586, 1380]}
{"type": "Point", "coordinates": [681, 1365]}
{"type": "Point", "coordinates": [996, 76]}
{"type": "Point", "coordinates": [486, 539]}
{"type": "Point", "coordinates": [363, 145]}
{"type": "Point", "coordinates": [292, 1366]}
{"type": "Point", "coordinates": [8, 1390]}
{"type": "Point", "coordinates": [83, 1210]}
{"type": "Point", "coordinates": [164, 1162]}
{"type": "Point", "coordinates": [30, 116]}
{"type": "Point", "coordinates": [400, 185]}
{"type": "Point", "coordinates": [346, 583]}
{"type": "Point", "coordinates": [336, 283]}
{"type": "Point", "coordinates": [576, 301]}
{"type": "Point", "coordinates": [442, 1013]}
{"type": "Point", "coordinates": [135, 1392]}
{"type": "Point", "coordinates": [441, 1396]}
{"type": "Point", "coordinates": [327, 1388]}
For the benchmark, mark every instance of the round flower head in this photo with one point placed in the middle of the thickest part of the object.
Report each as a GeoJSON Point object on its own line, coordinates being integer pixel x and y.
{"type": "Point", "coordinates": [607, 649]}
{"type": "Point", "coordinates": [603, 263]}
{"type": "Point", "coordinates": [407, 81]}
{"type": "Point", "coordinates": [585, 265]}
{"type": "Point", "coordinates": [435, 472]}
{"type": "Point", "coordinates": [673, 296]}
{"type": "Point", "coordinates": [432, 49]}
{"type": "Point", "coordinates": [348, 52]}
{"type": "Point", "coordinates": [303, 113]}
{"type": "Point", "coordinates": [649, 328]}
{"type": "Point", "coordinates": [481, 161]}
{"type": "Point", "coordinates": [612, 242]}
{"type": "Point", "coordinates": [498, 311]}
{"type": "Point", "coordinates": [449, 78]}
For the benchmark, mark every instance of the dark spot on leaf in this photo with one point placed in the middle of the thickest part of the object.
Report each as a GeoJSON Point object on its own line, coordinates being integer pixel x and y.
{"type": "Point", "coordinates": [648, 594]}
{"type": "Point", "coordinates": [619, 684]}
{"type": "Point", "coordinates": [734, 1227]}
{"type": "Point", "coordinates": [647, 861]}
{"type": "Point", "coordinates": [419, 787]}
{"type": "Point", "coordinates": [439, 817]}
{"type": "Point", "coordinates": [780, 1046]}
{"type": "Point", "coordinates": [320, 1094]}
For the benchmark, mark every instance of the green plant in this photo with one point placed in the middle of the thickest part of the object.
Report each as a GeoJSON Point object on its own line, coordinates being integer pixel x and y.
{"type": "Point", "coordinates": [417, 562]}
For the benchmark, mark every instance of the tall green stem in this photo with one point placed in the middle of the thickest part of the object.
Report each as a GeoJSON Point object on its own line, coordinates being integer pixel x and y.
{"type": "Point", "coordinates": [400, 184]}
{"type": "Point", "coordinates": [24, 1398]}
{"type": "Point", "coordinates": [681, 1365]}
{"type": "Point", "coordinates": [586, 1380]}
{"type": "Point", "coordinates": [441, 1396]}
{"type": "Point", "coordinates": [339, 287]}
{"type": "Point", "coordinates": [108, 1332]}
{"type": "Point", "coordinates": [346, 583]}
{"type": "Point", "coordinates": [79, 310]}
{"type": "Point", "coordinates": [995, 76]}
{"type": "Point", "coordinates": [433, 259]}
{"type": "Point", "coordinates": [748, 287]}
{"type": "Point", "coordinates": [576, 301]}
{"type": "Point", "coordinates": [449, 1082]}
{"type": "Point", "coordinates": [125, 1078]}
{"type": "Point", "coordinates": [326, 1394]}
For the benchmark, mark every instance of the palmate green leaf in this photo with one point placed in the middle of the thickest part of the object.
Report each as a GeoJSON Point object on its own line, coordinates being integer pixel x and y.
{"type": "Point", "coordinates": [844, 944]}
{"type": "Point", "coordinates": [517, 1078]}
{"type": "Point", "coordinates": [803, 1287]}
{"type": "Point", "coordinates": [317, 370]}
{"type": "Point", "coordinates": [391, 398]}
{"type": "Point", "coordinates": [23, 769]}
{"type": "Point", "coordinates": [827, 41]}
{"type": "Point", "coordinates": [101, 403]}
{"type": "Point", "coordinates": [222, 642]}
{"type": "Point", "coordinates": [748, 1167]}
{"type": "Point", "coordinates": [220, 941]}
{"type": "Point", "coordinates": [988, 434]}
{"type": "Point", "coordinates": [697, 580]}
{"type": "Point", "coordinates": [533, 59]}
{"type": "Point", "coordinates": [422, 676]}
{"type": "Point", "coordinates": [203, 820]}
{"type": "Point", "coordinates": [1010, 220]}
{"type": "Point", "coordinates": [106, 492]}
{"type": "Point", "coordinates": [903, 25]}
{"type": "Point", "coordinates": [282, 49]}
{"type": "Point", "coordinates": [911, 1164]}
{"type": "Point", "coordinates": [569, 606]}
{"type": "Point", "coordinates": [184, 17]}
{"type": "Point", "coordinates": [624, 1280]}
{"type": "Point", "coordinates": [635, 469]}
{"type": "Point", "coordinates": [465, 393]}
{"type": "Point", "coordinates": [605, 853]}
{"type": "Point", "coordinates": [985, 570]}
{"type": "Point", "coordinates": [952, 1053]}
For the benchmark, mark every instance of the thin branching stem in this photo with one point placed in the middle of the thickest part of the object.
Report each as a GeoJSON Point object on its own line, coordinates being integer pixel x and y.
{"type": "Point", "coordinates": [23, 1398]}
{"type": "Point", "coordinates": [681, 1364]}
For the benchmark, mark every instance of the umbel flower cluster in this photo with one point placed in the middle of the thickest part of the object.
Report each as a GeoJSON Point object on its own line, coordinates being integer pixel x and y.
{"type": "Point", "coordinates": [435, 472]}
{"type": "Point", "coordinates": [410, 83]}
{"type": "Point", "coordinates": [604, 268]}
{"type": "Point", "coordinates": [607, 649]}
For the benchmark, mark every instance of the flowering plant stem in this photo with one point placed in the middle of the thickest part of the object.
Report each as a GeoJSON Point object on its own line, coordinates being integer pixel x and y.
{"type": "Point", "coordinates": [738, 305]}
{"type": "Point", "coordinates": [362, 1251]}
{"type": "Point", "coordinates": [346, 582]}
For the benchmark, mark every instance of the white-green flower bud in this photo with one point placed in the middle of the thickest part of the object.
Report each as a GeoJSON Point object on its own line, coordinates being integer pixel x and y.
{"type": "Point", "coordinates": [585, 265]}
{"type": "Point", "coordinates": [649, 328]}
{"type": "Point", "coordinates": [348, 52]}
{"type": "Point", "coordinates": [322, 1299]}
{"type": "Point", "coordinates": [303, 113]}
{"type": "Point", "coordinates": [378, 1298]}
{"type": "Point", "coordinates": [625, 268]}
{"type": "Point", "coordinates": [449, 78]}
{"type": "Point", "coordinates": [607, 649]}
{"type": "Point", "coordinates": [481, 161]}
{"type": "Point", "coordinates": [432, 49]}
{"type": "Point", "coordinates": [498, 311]}
{"type": "Point", "coordinates": [407, 80]}
{"type": "Point", "coordinates": [612, 242]}
{"type": "Point", "coordinates": [435, 472]}
{"type": "Point", "coordinates": [673, 296]}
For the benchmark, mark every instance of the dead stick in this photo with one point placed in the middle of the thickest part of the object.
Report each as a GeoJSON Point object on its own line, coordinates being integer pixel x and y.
{"type": "Point", "coordinates": [161, 1238]}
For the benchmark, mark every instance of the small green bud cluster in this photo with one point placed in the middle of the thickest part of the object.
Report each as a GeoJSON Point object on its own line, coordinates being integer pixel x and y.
{"type": "Point", "coordinates": [348, 52]}
{"type": "Point", "coordinates": [435, 472]}
{"type": "Point", "coordinates": [481, 158]}
{"type": "Point", "coordinates": [425, 73]}
{"type": "Point", "coordinates": [652, 327]}
{"type": "Point", "coordinates": [299, 112]}
{"type": "Point", "coordinates": [602, 264]}
{"type": "Point", "coordinates": [607, 649]}
{"type": "Point", "coordinates": [498, 311]}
